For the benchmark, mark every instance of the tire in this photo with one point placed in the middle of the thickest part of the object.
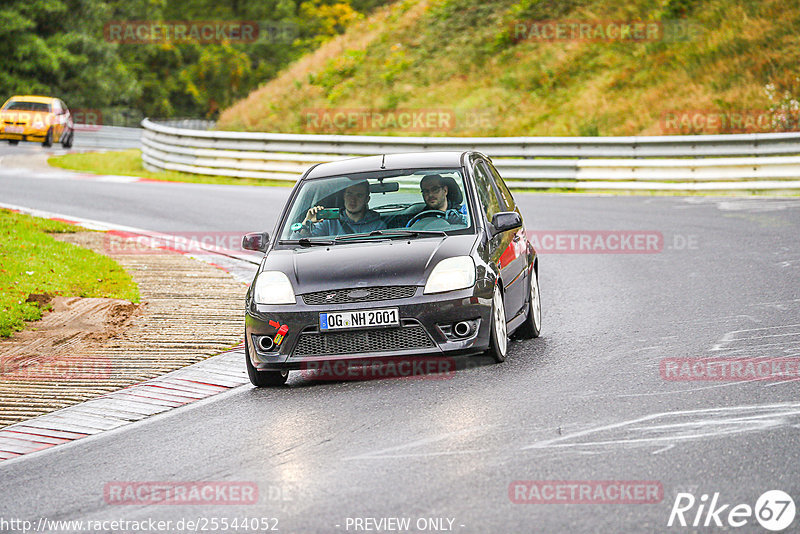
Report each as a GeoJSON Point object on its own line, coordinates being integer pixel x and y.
{"type": "Point", "coordinates": [498, 339]}
{"type": "Point", "coordinates": [13, 141]}
{"type": "Point", "coordinates": [532, 327]}
{"type": "Point", "coordinates": [263, 379]}
{"type": "Point", "coordinates": [66, 142]}
{"type": "Point", "coordinates": [48, 140]}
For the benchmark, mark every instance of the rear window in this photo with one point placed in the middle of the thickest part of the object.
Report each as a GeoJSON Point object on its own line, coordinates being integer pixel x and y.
{"type": "Point", "coordinates": [21, 105]}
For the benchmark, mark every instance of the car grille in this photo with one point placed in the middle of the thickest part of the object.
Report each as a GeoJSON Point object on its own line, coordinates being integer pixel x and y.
{"type": "Point", "coordinates": [362, 341]}
{"type": "Point", "coordinates": [342, 296]}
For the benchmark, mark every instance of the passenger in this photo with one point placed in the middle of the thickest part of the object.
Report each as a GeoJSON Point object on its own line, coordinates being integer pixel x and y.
{"type": "Point", "coordinates": [356, 218]}
{"type": "Point", "coordinates": [437, 196]}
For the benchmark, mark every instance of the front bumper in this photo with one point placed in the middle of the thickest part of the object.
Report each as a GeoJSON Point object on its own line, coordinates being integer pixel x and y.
{"type": "Point", "coordinates": [28, 135]}
{"type": "Point", "coordinates": [425, 329]}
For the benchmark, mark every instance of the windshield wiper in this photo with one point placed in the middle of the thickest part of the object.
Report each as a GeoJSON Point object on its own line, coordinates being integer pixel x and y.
{"type": "Point", "coordinates": [308, 242]}
{"type": "Point", "coordinates": [393, 233]}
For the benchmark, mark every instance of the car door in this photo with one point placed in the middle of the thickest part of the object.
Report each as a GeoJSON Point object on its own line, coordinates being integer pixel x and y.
{"type": "Point", "coordinates": [518, 251]}
{"type": "Point", "coordinates": [499, 244]}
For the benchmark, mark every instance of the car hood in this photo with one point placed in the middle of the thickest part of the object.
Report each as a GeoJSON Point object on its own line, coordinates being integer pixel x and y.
{"type": "Point", "coordinates": [366, 264]}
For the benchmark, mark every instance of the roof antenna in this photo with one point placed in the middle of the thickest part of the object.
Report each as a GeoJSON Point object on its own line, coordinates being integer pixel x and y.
{"type": "Point", "coordinates": [383, 161]}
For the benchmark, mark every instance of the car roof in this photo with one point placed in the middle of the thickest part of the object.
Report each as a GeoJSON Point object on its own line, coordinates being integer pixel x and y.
{"type": "Point", "coordinates": [33, 98]}
{"type": "Point", "coordinates": [407, 160]}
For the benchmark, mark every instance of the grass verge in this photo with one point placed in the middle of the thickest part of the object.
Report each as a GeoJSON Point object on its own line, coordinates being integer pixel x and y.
{"type": "Point", "coordinates": [129, 163]}
{"type": "Point", "coordinates": [32, 262]}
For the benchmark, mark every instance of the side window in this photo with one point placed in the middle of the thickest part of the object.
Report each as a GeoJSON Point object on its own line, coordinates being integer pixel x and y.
{"type": "Point", "coordinates": [486, 192]}
{"type": "Point", "coordinates": [503, 189]}
{"type": "Point", "coordinates": [56, 108]}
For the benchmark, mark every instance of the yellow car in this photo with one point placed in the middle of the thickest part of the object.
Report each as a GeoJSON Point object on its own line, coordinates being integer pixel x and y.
{"type": "Point", "coordinates": [40, 119]}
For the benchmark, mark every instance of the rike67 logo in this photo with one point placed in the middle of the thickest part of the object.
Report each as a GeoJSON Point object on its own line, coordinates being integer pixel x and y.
{"type": "Point", "coordinates": [774, 510]}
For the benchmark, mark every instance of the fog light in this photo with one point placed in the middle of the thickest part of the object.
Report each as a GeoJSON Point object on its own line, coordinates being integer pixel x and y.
{"type": "Point", "coordinates": [462, 329]}
{"type": "Point", "coordinates": [264, 343]}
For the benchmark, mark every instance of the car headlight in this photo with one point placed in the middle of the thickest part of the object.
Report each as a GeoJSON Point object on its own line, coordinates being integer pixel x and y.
{"type": "Point", "coordinates": [451, 274]}
{"type": "Point", "coordinates": [273, 287]}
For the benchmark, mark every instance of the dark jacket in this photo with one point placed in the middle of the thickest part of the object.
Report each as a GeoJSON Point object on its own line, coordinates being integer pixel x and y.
{"type": "Point", "coordinates": [345, 225]}
{"type": "Point", "coordinates": [454, 214]}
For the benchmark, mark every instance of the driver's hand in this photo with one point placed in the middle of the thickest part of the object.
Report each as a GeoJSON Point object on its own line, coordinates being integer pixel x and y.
{"type": "Point", "coordinates": [312, 214]}
{"type": "Point", "coordinates": [453, 217]}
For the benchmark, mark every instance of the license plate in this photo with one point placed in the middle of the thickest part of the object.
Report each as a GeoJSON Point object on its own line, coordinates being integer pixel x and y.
{"type": "Point", "coordinates": [358, 319]}
{"type": "Point", "coordinates": [15, 129]}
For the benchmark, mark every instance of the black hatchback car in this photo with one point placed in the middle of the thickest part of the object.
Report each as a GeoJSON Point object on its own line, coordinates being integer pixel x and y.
{"type": "Point", "coordinates": [410, 255]}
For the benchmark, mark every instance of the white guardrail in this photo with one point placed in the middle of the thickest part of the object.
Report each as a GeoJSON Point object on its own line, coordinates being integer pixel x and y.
{"type": "Point", "coordinates": [695, 162]}
{"type": "Point", "coordinates": [106, 137]}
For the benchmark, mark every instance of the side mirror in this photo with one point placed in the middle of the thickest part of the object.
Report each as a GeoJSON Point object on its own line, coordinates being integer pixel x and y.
{"type": "Point", "coordinates": [506, 220]}
{"type": "Point", "coordinates": [258, 241]}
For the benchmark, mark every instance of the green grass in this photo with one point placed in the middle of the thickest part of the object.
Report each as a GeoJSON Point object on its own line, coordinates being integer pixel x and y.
{"type": "Point", "coordinates": [31, 261]}
{"type": "Point", "coordinates": [129, 163]}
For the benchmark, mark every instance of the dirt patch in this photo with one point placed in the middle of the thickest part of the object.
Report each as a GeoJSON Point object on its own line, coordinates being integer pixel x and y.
{"type": "Point", "coordinates": [73, 321]}
{"type": "Point", "coordinates": [41, 299]}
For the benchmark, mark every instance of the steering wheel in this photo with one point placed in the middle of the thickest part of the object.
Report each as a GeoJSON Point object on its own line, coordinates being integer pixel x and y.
{"type": "Point", "coordinates": [424, 214]}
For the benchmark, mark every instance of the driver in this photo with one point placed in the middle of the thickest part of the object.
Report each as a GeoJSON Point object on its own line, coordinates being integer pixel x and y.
{"type": "Point", "coordinates": [356, 218]}
{"type": "Point", "coordinates": [434, 193]}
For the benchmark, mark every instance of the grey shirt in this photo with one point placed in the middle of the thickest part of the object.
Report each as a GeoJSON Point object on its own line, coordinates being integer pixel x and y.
{"type": "Point", "coordinates": [345, 225]}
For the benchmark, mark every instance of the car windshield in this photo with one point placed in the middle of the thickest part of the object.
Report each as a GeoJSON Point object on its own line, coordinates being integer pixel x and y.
{"type": "Point", "coordinates": [407, 203]}
{"type": "Point", "coordinates": [21, 105]}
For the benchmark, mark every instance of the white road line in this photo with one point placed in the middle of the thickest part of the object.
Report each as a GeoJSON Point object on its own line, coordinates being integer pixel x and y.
{"type": "Point", "coordinates": [766, 336]}
{"type": "Point", "coordinates": [782, 382]}
{"type": "Point", "coordinates": [778, 304]}
{"type": "Point", "coordinates": [668, 447]}
{"type": "Point", "coordinates": [419, 455]}
{"type": "Point", "coordinates": [730, 336]}
{"type": "Point", "coordinates": [740, 424]}
{"type": "Point", "coordinates": [692, 390]}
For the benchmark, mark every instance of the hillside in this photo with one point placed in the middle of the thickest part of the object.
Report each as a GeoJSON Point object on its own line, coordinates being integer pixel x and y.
{"type": "Point", "coordinates": [721, 64]}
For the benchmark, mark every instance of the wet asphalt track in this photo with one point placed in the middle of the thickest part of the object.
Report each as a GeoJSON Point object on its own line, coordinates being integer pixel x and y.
{"type": "Point", "coordinates": [584, 402]}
